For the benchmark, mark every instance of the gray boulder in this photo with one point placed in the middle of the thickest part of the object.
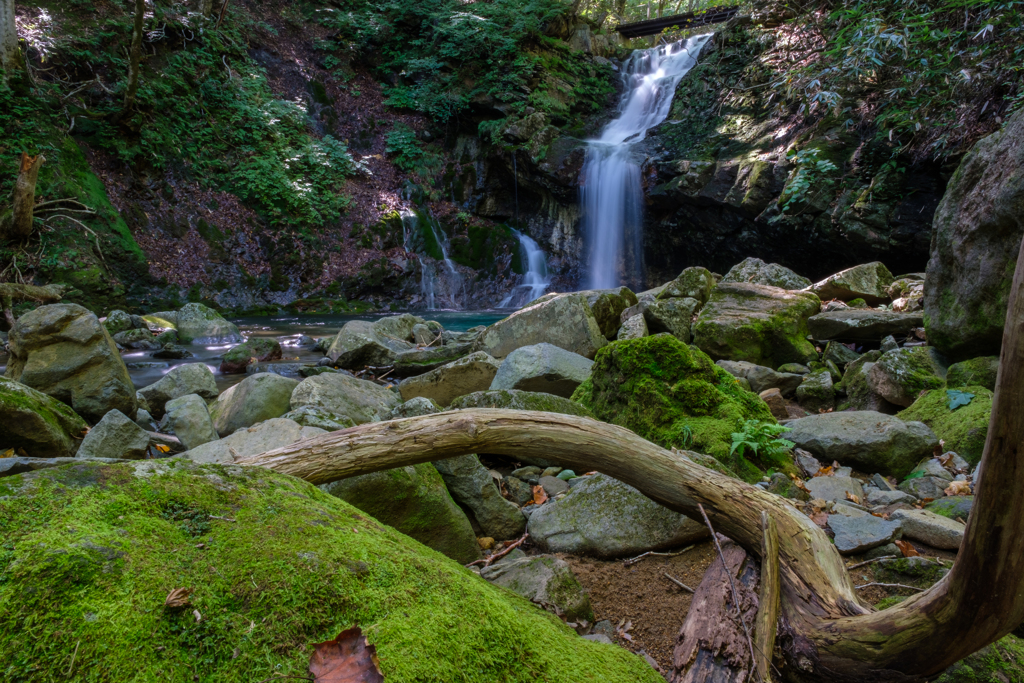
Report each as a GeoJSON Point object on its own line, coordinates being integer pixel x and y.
{"type": "Point", "coordinates": [926, 487]}
{"type": "Point", "coordinates": [190, 420]}
{"type": "Point", "coordinates": [255, 399]}
{"type": "Point", "coordinates": [762, 377]}
{"type": "Point", "coordinates": [816, 393]}
{"type": "Point", "coordinates": [542, 367]}
{"type": "Point", "coordinates": [63, 351]}
{"type": "Point", "coordinates": [419, 361]}
{"type": "Point", "coordinates": [360, 342]}
{"type": "Point", "coordinates": [414, 501]}
{"type": "Point", "coordinates": [472, 486]}
{"type": "Point", "coordinates": [834, 488]}
{"type": "Point", "coordinates": [115, 436]}
{"type": "Point", "coordinates": [868, 281]}
{"type": "Point", "coordinates": [756, 271]}
{"type": "Point", "coordinates": [40, 425]}
{"type": "Point", "coordinates": [858, 392]}
{"type": "Point", "coordinates": [976, 237]}
{"type": "Point", "coordinates": [756, 323]}
{"type": "Point", "coordinates": [319, 417]}
{"type": "Point", "coordinates": [513, 399]}
{"type": "Point", "coordinates": [545, 580]}
{"type": "Point", "coordinates": [475, 372]}
{"type": "Point", "coordinates": [607, 306]}
{"type": "Point", "coordinates": [191, 378]}
{"type": "Point", "coordinates": [673, 316]}
{"type": "Point", "coordinates": [977, 372]}
{"type": "Point", "coordinates": [260, 438]}
{"type": "Point", "coordinates": [414, 407]}
{"type": "Point", "coordinates": [358, 399]}
{"type": "Point", "coordinates": [693, 283]}
{"type": "Point", "coordinates": [870, 441]}
{"type": "Point", "coordinates": [603, 517]}
{"type": "Point", "coordinates": [199, 324]}
{"type": "Point", "coordinates": [929, 528]}
{"type": "Point", "coordinates": [862, 324]}
{"type": "Point", "coordinates": [855, 535]}
{"type": "Point", "coordinates": [565, 321]}
{"type": "Point", "coordinates": [901, 375]}
{"type": "Point", "coordinates": [118, 321]}
{"type": "Point", "coordinates": [634, 327]}
{"type": "Point", "coordinates": [877, 497]}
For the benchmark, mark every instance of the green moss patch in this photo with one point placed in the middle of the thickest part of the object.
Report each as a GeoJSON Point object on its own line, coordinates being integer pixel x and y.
{"type": "Point", "coordinates": [675, 396]}
{"type": "Point", "coordinates": [1003, 660]}
{"type": "Point", "coordinates": [90, 552]}
{"type": "Point", "coordinates": [962, 430]}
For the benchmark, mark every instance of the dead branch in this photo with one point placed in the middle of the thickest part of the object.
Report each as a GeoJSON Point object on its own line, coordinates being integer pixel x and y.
{"type": "Point", "coordinates": [678, 582]}
{"type": "Point", "coordinates": [634, 560]}
{"type": "Point", "coordinates": [497, 556]}
{"type": "Point", "coordinates": [769, 602]}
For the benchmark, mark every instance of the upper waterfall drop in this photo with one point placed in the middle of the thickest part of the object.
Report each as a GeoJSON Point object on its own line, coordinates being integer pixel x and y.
{"type": "Point", "coordinates": [610, 190]}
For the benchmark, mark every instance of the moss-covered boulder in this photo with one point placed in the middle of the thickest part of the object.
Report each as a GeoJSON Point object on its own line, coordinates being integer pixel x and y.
{"type": "Point", "coordinates": [199, 324]}
{"type": "Point", "coordinates": [901, 375]}
{"type": "Point", "coordinates": [413, 500]}
{"type": "Point", "coordinates": [41, 426]}
{"type": "Point", "coordinates": [238, 358]}
{"type": "Point", "coordinates": [756, 323]}
{"type": "Point", "coordinates": [758, 272]}
{"type": "Point", "coordinates": [963, 430]}
{"type": "Point", "coordinates": [868, 282]}
{"type": "Point", "coordinates": [674, 395]}
{"type": "Point", "coordinates": [1001, 661]}
{"type": "Point", "coordinates": [91, 551]}
{"type": "Point", "coordinates": [694, 282]}
{"type": "Point", "coordinates": [977, 372]}
{"type": "Point", "coordinates": [607, 306]}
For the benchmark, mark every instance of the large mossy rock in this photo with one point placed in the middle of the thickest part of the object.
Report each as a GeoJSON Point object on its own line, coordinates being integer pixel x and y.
{"type": "Point", "coordinates": [976, 236]}
{"type": "Point", "coordinates": [199, 324]}
{"type": "Point", "coordinates": [862, 324]}
{"type": "Point", "coordinates": [869, 441]}
{"type": "Point", "coordinates": [357, 399]}
{"type": "Point", "coordinates": [472, 486]}
{"type": "Point", "coordinates": [603, 517]}
{"type": "Point", "coordinates": [694, 282]}
{"type": "Point", "coordinates": [901, 375]}
{"type": "Point", "coordinates": [360, 342]}
{"type": "Point", "coordinates": [62, 350]}
{"type": "Point", "coordinates": [256, 398]}
{"type": "Point", "coordinates": [963, 430]}
{"type": "Point", "coordinates": [756, 271]}
{"type": "Point", "coordinates": [869, 281]}
{"type": "Point", "coordinates": [1000, 662]}
{"type": "Point", "coordinates": [414, 500]}
{"type": "Point", "coordinates": [514, 399]}
{"type": "Point", "coordinates": [545, 580]}
{"type": "Point", "coordinates": [607, 306]}
{"type": "Point", "coordinates": [40, 425]}
{"type": "Point", "coordinates": [756, 323]}
{"type": "Point", "coordinates": [91, 552]}
{"type": "Point", "coordinates": [674, 395]}
{"type": "Point", "coordinates": [976, 372]}
{"type": "Point", "coordinates": [238, 358]}
{"type": "Point", "coordinates": [566, 320]}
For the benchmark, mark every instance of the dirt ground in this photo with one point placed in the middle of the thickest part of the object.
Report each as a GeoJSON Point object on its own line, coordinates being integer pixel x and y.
{"type": "Point", "coordinates": [641, 593]}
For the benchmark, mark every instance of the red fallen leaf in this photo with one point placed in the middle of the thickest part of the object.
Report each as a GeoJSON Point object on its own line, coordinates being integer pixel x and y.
{"type": "Point", "coordinates": [820, 518]}
{"type": "Point", "coordinates": [907, 549]}
{"type": "Point", "coordinates": [346, 659]}
{"type": "Point", "coordinates": [539, 495]}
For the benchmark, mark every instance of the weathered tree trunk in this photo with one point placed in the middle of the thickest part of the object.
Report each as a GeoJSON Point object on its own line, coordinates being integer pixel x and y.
{"type": "Point", "coordinates": [206, 7]}
{"type": "Point", "coordinates": [11, 59]}
{"type": "Point", "coordinates": [11, 292]}
{"type": "Point", "coordinates": [16, 221]}
{"type": "Point", "coordinates": [826, 633]}
{"type": "Point", "coordinates": [135, 57]}
{"type": "Point", "coordinates": [712, 646]}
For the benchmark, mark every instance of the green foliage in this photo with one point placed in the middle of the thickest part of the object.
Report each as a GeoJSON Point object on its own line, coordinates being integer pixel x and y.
{"type": "Point", "coordinates": [933, 66]}
{"type": "Point", "coordinates": [958, 398]}
{"type": "Point", "coordinates": [811, 172]}
{"type": "Point", "coordinates": [407, 152]}
{"type": "Point", "coordinates": [762, 439]}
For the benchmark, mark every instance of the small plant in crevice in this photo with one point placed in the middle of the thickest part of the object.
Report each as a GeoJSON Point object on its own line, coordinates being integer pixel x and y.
{"type": "Point", "coordinates": [761, 439]}
{"type": "Point", "coordinates": [811, 172]}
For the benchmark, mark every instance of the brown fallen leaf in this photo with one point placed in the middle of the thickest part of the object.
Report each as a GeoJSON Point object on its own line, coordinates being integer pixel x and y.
{"type": "Point", "coordinates": [178, 599]}
{"type": "Point", "coordinates": [853, 498]}
{"type": "Point", "coordinates": [907, 549]}
{"type": "Point", "coordinates": [819, 517]}
{"type": "Point", "coordinates": [539, 495]}
{"type": "Point", "coordinates": [349, 658]}
{"type": "Point", "coordinates": [824, 471]}
{"type": "Point", "coordinates": [958, 488]}
{"type": "Point", "coordinates": [9, 453]}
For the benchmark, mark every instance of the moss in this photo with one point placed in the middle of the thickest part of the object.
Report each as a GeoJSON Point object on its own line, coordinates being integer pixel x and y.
{"type": "Point", "coordinates": [859, 395]}
{"type": "Point", "coordinates": [515, 399]}
{"type": "Point", "coordinates": [916, 369]}
{"type": "Point", "coordinates": [89, 555]}
{"type": "Point", "coordinates": [963, 430]}
{"type": "Point", "coordinates": [259, 348]}
{"type": "Point", "coordinates": [1003, 660]}
{"type": "Point", "coordinates": [888, 602]}
{"type": "Point", "coordinates": [974, 372]}
{"type": "Point", "coordinates": [672, 394]}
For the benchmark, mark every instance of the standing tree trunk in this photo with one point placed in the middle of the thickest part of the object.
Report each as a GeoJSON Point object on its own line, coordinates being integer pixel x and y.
{"type": "Point", "coordinates": [825, 632]}
{"type": "Point", "coordinates": [16, 221]}
{"type": "Point", "coordinates": [12, 61]}
{"type": "Point", "coordinates": [135, 58]}
{"type": "Point", "coordinates": [206, 7]}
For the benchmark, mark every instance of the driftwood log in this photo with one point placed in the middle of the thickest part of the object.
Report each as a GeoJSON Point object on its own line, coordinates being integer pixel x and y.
{"type": "Point", "coordinates": [825, 632]}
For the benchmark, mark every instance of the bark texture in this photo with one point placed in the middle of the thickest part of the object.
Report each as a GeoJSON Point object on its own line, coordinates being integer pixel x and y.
{"type": "Point", "coordinates": [11, 292]}
{"type": "Point", "coordinates": [766, 624]}
{"type": "Point", "coordinates": [11, 60]}
{"type": "Point", "coordinates": [826, 633]}
{"type": "Point", "coordinates": [135, 57]}
{"type": "Point", "coordinates": [16, 222]}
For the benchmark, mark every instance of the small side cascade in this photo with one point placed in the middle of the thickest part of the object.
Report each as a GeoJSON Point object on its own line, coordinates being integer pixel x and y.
{"type": "Point", "coordinates": [440, 287]}
{"type": "Point", "coordinates": [536, 280]}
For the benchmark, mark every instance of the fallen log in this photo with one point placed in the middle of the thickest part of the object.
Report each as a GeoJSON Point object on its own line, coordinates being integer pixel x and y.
{"type": "Point", "coordinates": [12, 291]}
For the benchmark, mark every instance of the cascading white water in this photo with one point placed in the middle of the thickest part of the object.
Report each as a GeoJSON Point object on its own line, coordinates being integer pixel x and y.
{"type": "Point", "coordinates": [610, 190]}
{"type": "Point", "coordinates": [536, 279]}
{"type": "Point", "coordinates": [447, 286]}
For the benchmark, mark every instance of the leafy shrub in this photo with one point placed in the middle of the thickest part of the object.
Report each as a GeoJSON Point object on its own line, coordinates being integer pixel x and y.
{"type": "Point", "coordinates": [761, 439]}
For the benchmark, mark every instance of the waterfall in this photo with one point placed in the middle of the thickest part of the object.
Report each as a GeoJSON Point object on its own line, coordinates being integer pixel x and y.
{"type": "Point", "coordinates": [610, 192]}
{"type": "Point", "coordinates": [446, 286]}
{"type": "Point", "coordinates": [536, 280]}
